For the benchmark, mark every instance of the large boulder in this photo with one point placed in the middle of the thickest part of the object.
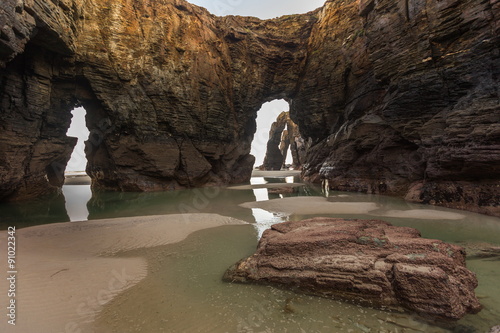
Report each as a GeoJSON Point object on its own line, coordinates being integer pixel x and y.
{"type": "Point", "coordinates": [368, 262]}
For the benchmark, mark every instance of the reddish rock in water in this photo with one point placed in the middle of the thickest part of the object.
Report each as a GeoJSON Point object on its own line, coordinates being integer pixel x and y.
{"type": "Point", "coordinates": [369, 262]}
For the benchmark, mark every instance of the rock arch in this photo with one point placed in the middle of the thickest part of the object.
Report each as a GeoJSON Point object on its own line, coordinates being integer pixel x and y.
{"type": "Point", "coordinates": [407, 104]}
{"type": "Point", "coordinates": [170, 90]}
{"type": "Point", "coordinates": [280, 140]}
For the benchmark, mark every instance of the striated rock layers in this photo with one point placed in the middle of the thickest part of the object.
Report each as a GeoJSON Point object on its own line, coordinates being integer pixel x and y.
{"type": "Point", "coordinates": [402, 97]}
{"type": "Point", "coordinates": [368, 262]}
{"type": "Point", "coordinates": [403, 94]}
{"type": "Point", "coordinates": [171, 91]}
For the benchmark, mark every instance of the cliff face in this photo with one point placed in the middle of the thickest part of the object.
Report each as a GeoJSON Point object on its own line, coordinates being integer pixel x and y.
{"type": "Point", "coordinates": [179, 90]}
{"type": "Point", "coordinates": [171, 92]}
{"type": "Point", "coordinates": [402, 97]}
{"type": "Point", "coordinates": [36, 40]}
{"type": "Point", "coordinates": [394, 96]}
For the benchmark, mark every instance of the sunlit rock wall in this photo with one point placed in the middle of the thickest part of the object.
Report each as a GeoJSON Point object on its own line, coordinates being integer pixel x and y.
{"type": "Point", "coordinates": [171, 91]}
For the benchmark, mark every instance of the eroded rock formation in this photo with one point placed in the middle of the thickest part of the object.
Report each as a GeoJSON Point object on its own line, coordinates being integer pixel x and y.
{"type": "Point", "coordinates": [365, 261]}
{"type": "Point", "coordinates": [399, 93]}
{"type": "Point", "coordinates": [405, 94]}
{"type": "Point", "coordinates": [274, 154]}
{"type": "Point", "coordinates": [171, 91]}
{"type": "Point", "coordinates": [297, 145]}
{"type": "Point", "coordinates": [280, 140]}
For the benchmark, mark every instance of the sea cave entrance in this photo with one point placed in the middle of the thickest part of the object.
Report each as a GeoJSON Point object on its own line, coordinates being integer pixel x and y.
{"type": "Point", "coordinates": [266, 117]}
{"type": "Point", "coordinates": [272, 147]}
{"type": "Point", "coordinates": [77, 190]}
{"type": "Point", "coordinates": [78, 129]}
{"type": "Point", "coordinates": [277, 143]}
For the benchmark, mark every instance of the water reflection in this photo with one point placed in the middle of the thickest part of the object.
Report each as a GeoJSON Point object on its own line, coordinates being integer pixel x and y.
{"type": "Point", "coordinates": [77, 197]}
{"type": "Point", "coordinates": [48, 209]}
{"type": "Point", "coordinates": [206, 297]}
{"type": "Point", "coordinates": [264, 220]}
{"type": "Point", "coordinates": [79, 204]}
{"type": "Point", "coordinates": [204, 200]}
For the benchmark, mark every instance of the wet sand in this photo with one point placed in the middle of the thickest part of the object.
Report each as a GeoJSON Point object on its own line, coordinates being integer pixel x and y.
{"type": "Point", "coordinates": [67, 272]}
{"type": "Point", "coordinates": [269, 185]}
{"type": "Point", "coordinates": [320, 205]}
{"type": "Point", "coordinates": [312, 205]}
{"type": "Point", "coordinates": [423, 214]}
{"type": "Point", "coordinates": [79, 179]}
{"type": "Point", "coordinates": [282, 173]}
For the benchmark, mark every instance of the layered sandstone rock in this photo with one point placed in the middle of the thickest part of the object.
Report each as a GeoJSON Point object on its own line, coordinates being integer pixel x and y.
{"type": "Point", "coordinates": [401, 96]}
{"type": "Point", "coordinates": [171, 91]}
{"type": "Point", "coordinates": [364, 261]}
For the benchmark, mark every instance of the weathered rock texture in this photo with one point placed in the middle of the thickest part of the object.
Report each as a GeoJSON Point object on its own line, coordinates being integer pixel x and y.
{"type": "Point", "coordinates": [297, 145]}
{"type": "Point", "coordinates": [280, 140]}
{"type": "Point", "coordinates": [292, 140]}
{"type": "Point", "coordinates": [274, 155]}
{"type": "Point", "coordinates": [365, 261]}
{"type": "Point", "coordinates": [403, 93]}
{"type": "Point", "coordinates": [171, 92]}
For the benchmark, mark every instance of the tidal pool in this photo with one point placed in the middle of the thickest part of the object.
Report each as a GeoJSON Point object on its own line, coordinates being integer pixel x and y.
{"type": "Point", "coordinates": [183, 291]}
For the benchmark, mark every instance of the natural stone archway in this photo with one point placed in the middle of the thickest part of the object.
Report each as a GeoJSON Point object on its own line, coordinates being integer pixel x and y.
{"type": "Point", "coordinates": [400, 97]}
{"type": "Point", "coordinates": [280, 140]}
{"type": "Point", "coordinates": [171, 91]}
{"type": "Point", "coordinates": [293, 141]}
{"type": "Point", "coordinates": [274, 155]}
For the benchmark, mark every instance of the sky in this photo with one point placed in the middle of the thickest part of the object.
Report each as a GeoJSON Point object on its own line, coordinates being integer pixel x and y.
{"type": "Point", "coordinates": [77, 129]}
{"type": "Point", "coordinates": [263, 9]}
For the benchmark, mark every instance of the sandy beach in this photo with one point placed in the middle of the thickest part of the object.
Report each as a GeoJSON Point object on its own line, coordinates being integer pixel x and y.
{"type": "Point", "coordinates": [312, 205]}
{"type": "Point", "coordinates": [321, 205]}
{"type": "Point", "coordinates": [77, 179]}
{"type": "Point", "coordinates": [281, 173]}
{"type": "Point", "coordinates": [268, 185]}
{"type": "Point", "coordinates": [67, 272]}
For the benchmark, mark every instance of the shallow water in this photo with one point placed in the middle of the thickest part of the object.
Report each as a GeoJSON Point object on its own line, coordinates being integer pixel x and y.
{"type": "Point", "coordinates": [184, 293]}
